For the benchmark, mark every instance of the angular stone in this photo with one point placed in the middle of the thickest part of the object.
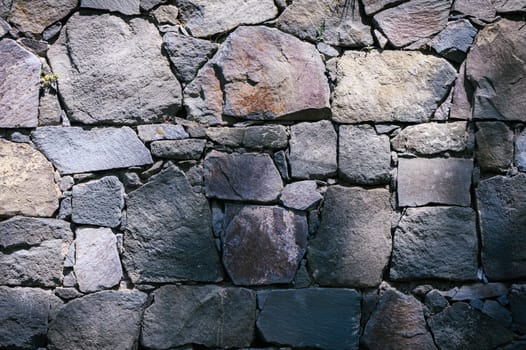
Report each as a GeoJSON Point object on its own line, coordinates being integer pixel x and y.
{"type": "Point", "coordinates": [502, 204]}
{"type": "Point", "coordinates": [147, 5]}
{"type": "Point", "coordinates": [435, 243]}
{"type": "Point", "coordinates": [49, 111]}
{"type": "Point", "coordinates": [166, 14]}
{"type": "Point", "coordinates": [242, 177]}
{"type": "Point", "coordinates": [295, 317]}
{"type": "Point", "coordinates": [413, 20]}
{"type": "Point", "coordinates": [103, 320]}
{"type": "Point", "coordinates": [154, 132]}
{"type": "Point", "coordinates": [24, 314]}
{"type": "Point", "coordinates": [301, 195]}
{"type": "Point", "coordinates": [331, 22]}
{"type": "Point", "coordinates": [372, 6]}
{"type": "Point", "coordinates": [479, 9]}
{"type": "Point", "coordinates": [98, 202]}
{"type": "Point", "coordinates": [35, 15]}
{"type": "Point", "coordinates": [510, 6]}
{"type": "Point", "coordinates": [462, 327]}
{"type": "Point", "coordinates": [5, 7]}
{"type": "Point", "coordinates": [455, 40]}
{"type": "Point", "coordinates": [364, 156]}
{"type": "Point", "coordinates": [205, 18]}
{"type": "Point", "coordinates": [75, 150]}
{"type": "Point", "coordinates": [126, 7]}
{"type": "Point", "coordinates": [439, 181]}
{"type": "Point", "coordinates": [518, 307]}
{"type": "Point", "coordinates": [26, 181]}
{"type": "Point", "coordinates": [499, 92]}
{"type": "Point", "coordinates": [19, 88]}
{"type": "Point", "coordinates": [211, 316]}
{"type": "Point", "coordinates": [462, 92]}
{"type": "Point", "coordinates": [232, 137]}
{"type": "Point", "coordinates": [397, 323]}
{"type": "Point", "coordinates": [353, 243]}
{"type": "Point", "coordinates": [435, 302]}
{"type": "Point", "coordinates": [168, 234]}
{"type": "Point", "coordinates": [266, 136]}
{"type": "Point", "coordinates": [432, 138]}
{"type": "Point", "coordinates": [203, 97]}
{"type": "Point", "coordinates": [520, 150]}
{"type": "Point", "coordinates": [389, 86]}
{"type": "Point", "coordinates": [187, 54]}
{"type": "Point", "coordinates": [313, 150]}
{"type": "Point", "coordinates": [134, 81]}
{"type": "Point", "coordinates": [263, 245]}
{"type": "Point", "coordinates": [494, 146]}
{"type": "Point", "coordinates": [497, 312]}
{"type": "Point", "coordinates": [178, 149]}
{"type": "Point", "coordinates": [480, 291]}
{"type": "Point", "coordinates": [97, 263]}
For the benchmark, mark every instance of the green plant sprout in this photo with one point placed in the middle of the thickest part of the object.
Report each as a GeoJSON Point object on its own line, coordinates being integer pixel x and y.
{"type": "Point", "coordinates": [47, 80]}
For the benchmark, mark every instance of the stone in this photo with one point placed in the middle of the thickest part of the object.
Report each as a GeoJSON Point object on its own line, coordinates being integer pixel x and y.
{"type": "Point", "coordinates": [166, 14]}
{"type": "Point", "coordinates": [373, 6]}
{"type": "Point", "coordinates": [327, 50]}
{"type": "Point", "coordinates": [52, 31]}
{"type": "Point", "coordinates": [331, 22]}
{"type": "Point", "coordinates": [154, 132]}
{"type": "Point", "coordinates": [263, 245]}
{"type": "Point", "coordinates": [501, 202]}
{"type": "Point", "coordinates": [494, 146]}
{"type": "Point", "coordinates": [147, 5]}
{"type": "Point", "coordinates": [280, 159]}
{"type": "Point", "coordinates": [91, 150]}
{"type": "Point", "coordinates": [426, 236]}
{"type": "Point", "coordinates": [49, 110]}
{"type": "Point", "coordinates": [364, 157]}
{"type": "Point", "coordinates": [204, 18]}
{"type": "Point", "coordinates": [26, 181]}
{"type": "Point", "coordinates": [497, 312]}
{"type": "Point", "coordinates": [4, 26]}
{"type": "Point", "coordinates": [510, 6]}
{"type": "Point", "coordinates": [134, 81]}
{"type": "Point", "coordinates": [97, 263]}
{"type": "Point", "coordinates": [203, 97]}
{"type": "Point", "coordinates": [67, 293]}
{"type": "Point", "coordinates": [462, 92]}
{"type": "Point", "coordinates": [480, 291]}
{"type": "Point", "coordinates": [103, 320]}
{"type": "Point", "coordinates": [5, 7]}
{"type": "Point", "coordinates": [413, 20]}
{"type": "Point", "coordinates": [479, 9]}
{"type": "Point", "coordinates": [187, 54]}
{"type": "Point", "coordinates": [435, 302]}
{"type": "Point", "coordinates": [434, 181]}
{"type": "Point", "coordinates": [266, 136]}
{"type": "Point", "coordinates": [211, 316]}
{"type": "Point", "coordinates": [35, 15]}
{"type": "Point", "coordinates": [520, 150]}
{"type": "Point", "coordinates": [389, 86]}
{"type": "Point", "coordinates": [19, 89]}
{"type": "Point", "coordinates": [231, 137]}
{"type": "Point", "coordinates": [498, 93]}
{"type": "Point", "coordinates": [65, 209]}
{"type": "Point", "coordinates": [518, 307]}
{"type": "Point", "coordinates": [178, 149]}
{"type": "Point", "coordinates": [295, 317]}
{"type": "Point", "coordinates": [353, 243]}
{"type": "Point", "coordinates": [300, 195]}
{"type": "Point", "coordinates": [455, 40]}
{"type": "Point", "coordinates": [126, 7]}
{"type": "Point", "coordinates": [241, 177]}
{"type": "Point", "coordinates": [24, 314]}
{"type": "Point", "coordinates": [397, 323]}
{"type": "Point", "coordinates": [168, 235]}
{"type": "Point", "coordinates": [313, 151]}
{"type": "Point", "coordinates": [432, 138]}
{"type": "Point", "coordinates": [32, 251]}
{"type": "Point", "coordinates": [462, 327]}
{"type": "Point", "coordinates": [98, 202]}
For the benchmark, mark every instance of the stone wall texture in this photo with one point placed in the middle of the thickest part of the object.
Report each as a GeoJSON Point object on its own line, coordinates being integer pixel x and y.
{"type": "Point", "coordinates": [272, 174]}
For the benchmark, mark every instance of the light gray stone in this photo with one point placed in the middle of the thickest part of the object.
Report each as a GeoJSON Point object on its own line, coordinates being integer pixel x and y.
{"type": "Point", "coordinates": [479, 9]}
{"type": "Point", "coordinates": [494, 146]}
{"type": "Point", "coordinates": [49, 111]}
{"type": "Point", "coordinates": [266, 136]}
{"type": "Point", "coordinates": [126, 7]}
{"type": "Point", "coordinates": [301, 195]}
{"type": "Point", "coordinates": [372, 6]}
{"type": "Point", "coordinates": [178, 149]}
{"type": "Point", "coordinates": [510, 6]}
{"type": "Point", "coordinates": [455, 40]}
{"type": "Point", "coordinates": [35, 15]}
{"type": "Point", "coordinates": [74, 150]}
{"type": "Point", "coordinates": [232, 137]}
{"type": "Point", "coordinates": [147, 5]}
{"type": "Point", "coordinates": [52, 31]}
{"type": "Point", "coordinates": [432, 138]}
{"type": "Point", "coordinates": [520, 150]}
{"type": "Point", "coordinates": [166, 14]}
{"type": "Point", "coordinates": [154, 132]}
{"type": "Point", "coordinates": [5, 7]}
{"type": "Point", "coordinates": [479, 291]}
{"type": "Point", "coordinates": [67, 293]}
{"type": "Point", "coordinates": [327, 50]}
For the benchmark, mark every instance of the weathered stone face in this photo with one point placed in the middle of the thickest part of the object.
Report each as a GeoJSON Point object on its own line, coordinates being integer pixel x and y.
{"type": "Point", "coordinates": [154, 132]}
{"type": "Point", "coordinates": [126, 7]}
{"type": "Point", "coordinates": [35, 15]}
{"type": "Point", "coordinates": [300, 195]}
{"type": "Point", "coordinates": [520, 150]}
{"type": "Point", "coordinates": [372, 6]}
{"type": "Point", "coordinates": [455, 40]}
{"type": "Point", "coordinates": [462, 92]}
{"type": "Point", "coordinates": [178, 149]}
{"type": "Point", "coordinates": [432, 138]}
{"type": "Point", "coordinates": [480, 9]}
{"type": "Point", "coordinates": [518, 306]}
{"type": "Point", "coordinates": [494, 146]}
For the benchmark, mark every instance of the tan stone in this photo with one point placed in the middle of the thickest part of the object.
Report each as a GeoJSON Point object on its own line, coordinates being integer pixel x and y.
{"type": "Point", "coordinates": [35, 15]}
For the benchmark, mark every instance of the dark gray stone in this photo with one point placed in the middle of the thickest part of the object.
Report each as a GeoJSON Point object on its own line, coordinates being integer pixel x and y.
{"type": "Point", "coordinates": [266, 136]}
{"type": "Point", "coordinates": [178, 149]}
{"type": "Point", "coordinates": [462, 327]}
{"type": "Point", "coordinates": [103, 320]}
{"type": "Point", "coordinates": [518, 307]}
{"type": "Point", "coordinates": [231, 137]}
{"type": "Point", "coordinates": [432, 138]}
{"type": "Point", "coordinates": [502, 209]}
{"type": "Point", "coordinates": [353, 243]}
{"type": "Point", "coordinates": [497, 312]}
{"type": "Point", "coordinates": [211, 316]}
{"type": "Point", "coordinates": [494, 146]}
{"type": "Point", "coordinates": [67, 293]}
{"type": "Point", "coordinates": [74, 150]}
{"type": "Point", "coordinates": [301, 195]}
{"type": "Point", "coordinates": [462, 93]}
{"type": "Point", "coordinates": [280, 159]}
{"type": "Point", "coordinates": [435, 302]}
{"type": "Point", "coordinates": [455, 40]}
{"type": "Point", "coordinates": [154, 132]}
{"type": "Point", "coordinates": [520, 150]}
{"type": "Point", "coordinates": [168, 233]}
{"type": "Point", "coordinates": [126, 7]}
{"type": "Point", "coordinates": [480, 291]}
{"type": "Point", "coordinates": [320, 318]}
{"type": "Point", "coordinates": [263, 245]}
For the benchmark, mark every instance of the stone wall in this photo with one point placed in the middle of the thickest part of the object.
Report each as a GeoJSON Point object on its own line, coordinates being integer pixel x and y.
{"type": "Point", "coordinates": [333, 174]}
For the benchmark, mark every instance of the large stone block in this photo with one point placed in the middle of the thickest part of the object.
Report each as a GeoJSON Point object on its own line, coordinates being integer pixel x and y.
{"type": "Point", "coordinates": [432, 138]}
{"type": "Point", "coordinates": [35, 15]}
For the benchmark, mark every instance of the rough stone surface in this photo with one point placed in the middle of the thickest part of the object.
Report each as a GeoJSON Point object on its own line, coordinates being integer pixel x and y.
{"type": "Point", "coordinates": [436, 242]}
{"type": "Point", "coordinates": [494, 146]}
{"type": "Point", "coordinates": [74, 150]}
{"type": "Point", "coordinates": [364, 156]}
{"type": "Point", "coordinates": [205, 18]}
{"type": "Point", "coordinates": [502, 208]}
{"type": "Point", "coordinates": [353, 244]}
{"type": "Point", "coordinates": [104, 320]}
{"type": "Point", "coordinates": [49, 111]}
{"type": "Point", "coordinates": [300, 195]}
{"type": "Point", "coordinates": [397, 323]}
{"type": "Point", "coordinates": [462, 92]}
{"type": "Point", "coordinates": [313, 150]}
{"type": "Point", "coordinates": [510, 6]}
{"type": "Point", "coordinates": [265, 136]}
{"type": "Point", "coordinates": [26, 181]}
{"type": "Point", "coordinates": [295, 318]}
{"type": "Point", "coordinates": [19, 87]}
{"type": "Point", "coordinates": [434, 181]}
{"type": "Point", "coordinates": [147, 5]}
{"type": "Point", "coordinates": [331, 22]}
{"type": "Point", "coordinates": [480, 291]}
{"type": "Point", "coordinates": [5, 6]}
{"type": "Point", "coordinates": [153, 132]}
{"type": "Point", "coordinates": [98, 202]}
{"type": "Point", "coordinates": [263, 245]}
{"type": "Point", "coordinates": [389, 86]}
{"type": "Point", "coordinates": [372, 6]}
{"type": "Point", "coordinates": [178, 149]}
{"type": "Point", "coordinates": [248, 177]}
{"type": "Point", "coordinates": [479, 9]}
{"type": "Point", "coordinates": [134, 81]}
{"type": "Point", "coordinates": [455, 40]}
{"type": "Point", "coordinates": [168, 233]}
{"type": "Point", "coordinates": [518, 307]}
{"type": "Point", "coordinates": [206, 315]}
{"type": "Point", "coordinates": [432, 138]}
{"type": "Point", "coordinates": [166, 14]}
{"type": "Point", "coordinates": [35, 15]}
{"type": "Point", "coordinates": [497, 312]}
{"type": "Point", "coordinates": [520, 150]}
{"type": "Point", "coordinates": [232, 137]}
{"type": "Point", "coordinates": [494, 63]}
{"type": "Point", "coordinates": [462, 327]}
{"type": "Point", "coordinates": [126, 7]}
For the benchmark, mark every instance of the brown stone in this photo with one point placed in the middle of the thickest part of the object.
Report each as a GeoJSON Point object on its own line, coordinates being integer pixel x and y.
{"type": "Point", "coordinates": [35, 15]}
{"type": "Point", "coordinates": [372, 6]}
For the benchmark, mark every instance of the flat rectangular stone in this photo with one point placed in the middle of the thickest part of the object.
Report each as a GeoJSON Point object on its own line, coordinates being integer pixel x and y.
{"type": "Point", "coordinates": [153, 132]}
